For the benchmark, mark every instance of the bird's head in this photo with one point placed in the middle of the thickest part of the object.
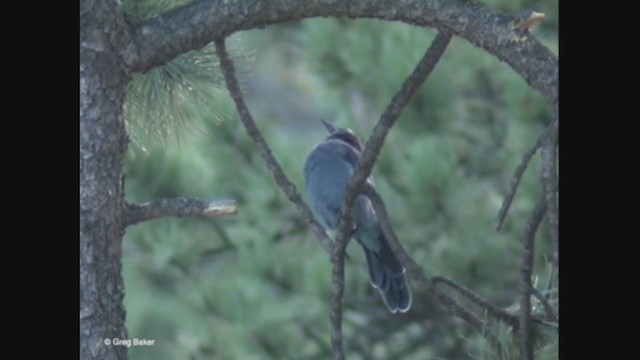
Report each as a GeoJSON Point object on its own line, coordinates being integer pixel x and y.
{"type": "Point", "coordinates": [343, 134]}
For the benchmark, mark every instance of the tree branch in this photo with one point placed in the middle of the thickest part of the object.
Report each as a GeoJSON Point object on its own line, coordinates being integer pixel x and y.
{"type": "Point", "coordinates": [197, 23]}
{"type": "Point", "coordinates": [490, 308]}
{"type": "Point", "coordinates": [337, 297]}
{"type": "Point", "coordinates": [550, 184]}
{"type": "Point", "coordinates": [527, 239]}
{"type": "Point", "coordinates": [371, 150]}
{"type": "Point", "coordinates": [387, 119]}
{"type": "Point", "coordinates": [179, 207]}
{"type": "Point", "coordinates": [415, 271]}
{"type": "Point", "coordinates": [543, 78]}
{"type": "Point", "coordinates": [362, 172]}
{"type": "Point", "coordinates": [515, 182]}
{"type": "Point", "coordinates": [226, 65]}
{"type": "Point", "coordinates": [550, 134]}
{"type": "Point", "coordinates": [390, 116]}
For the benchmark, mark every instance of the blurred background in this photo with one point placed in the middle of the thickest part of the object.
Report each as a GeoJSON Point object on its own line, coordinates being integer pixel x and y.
{"type": "Point", "coordinates": [258, 285]}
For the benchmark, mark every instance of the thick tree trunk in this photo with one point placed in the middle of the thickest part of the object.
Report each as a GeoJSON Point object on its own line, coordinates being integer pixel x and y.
{"type": "Point", "coordinates": [103, 142]}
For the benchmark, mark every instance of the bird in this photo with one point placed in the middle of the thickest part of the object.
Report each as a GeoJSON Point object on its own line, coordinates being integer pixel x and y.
{"type": "Point", "coordinates": [327, 171]}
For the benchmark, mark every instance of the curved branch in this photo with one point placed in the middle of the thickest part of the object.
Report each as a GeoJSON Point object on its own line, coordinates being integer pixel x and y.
{"type": "Point", "coordinates": [371, 150]}
{"type": "Point", "coordinates": [490, 308]}
{"type": "Point", "coordinates": [547, 141]}
{"type": "Point", "coordinates": [412, 83]}
{"type": "Point", "coordinates": [196, 24]}
{"type": "Point", "coordinates": [281, 178]}
{"type": "Point", "coordinates": [374, 144]}
{"type": "Point", "coordinates": [415, 271]}
{"type": "Point", "coordinates": [515, 182]}
{"type": "Point", "coordinates": [180, 207]}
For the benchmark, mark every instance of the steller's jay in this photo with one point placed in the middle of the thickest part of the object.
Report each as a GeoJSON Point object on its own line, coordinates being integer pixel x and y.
{"type": "Point", "coordinates": [327, 172]}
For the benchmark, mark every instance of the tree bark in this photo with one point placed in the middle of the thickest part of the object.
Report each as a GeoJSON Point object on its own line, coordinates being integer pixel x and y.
{"type": "Point", "coordinates": [103, 142]}
{"type": "Point", "coordinates": [198, 23]}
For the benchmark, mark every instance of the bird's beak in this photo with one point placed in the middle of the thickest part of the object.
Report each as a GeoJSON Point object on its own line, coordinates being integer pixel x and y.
{"type": "Point", "coordinates": [328, 125]}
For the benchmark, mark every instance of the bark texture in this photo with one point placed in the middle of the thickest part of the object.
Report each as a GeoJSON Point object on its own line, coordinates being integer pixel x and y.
{"type": "Point", "coordinates": [103, 142]}
{"type": "Point", "coordinates": [197, 24]}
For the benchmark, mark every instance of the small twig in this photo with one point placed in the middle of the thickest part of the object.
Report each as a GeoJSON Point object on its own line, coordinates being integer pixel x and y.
{"type": "Point", "coordinates": [527, 239]}
{"type": "Point", "coordinates": [550, 184]}
{"type": "Point", "coordinates": [515, 182]}
{"type": "Point", "coordinates": [179, 207]}
{"type": "Point", "coordinates": [490, 308]}
{"type": "Point", "coordinates": [548, 309]}
{"type": "Point", "coordinates": [528, 19]}
{"type": "Point", "coordinates": [226, 65]}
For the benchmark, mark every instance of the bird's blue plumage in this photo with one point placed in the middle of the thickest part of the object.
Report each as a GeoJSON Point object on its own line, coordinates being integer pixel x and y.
{"type": "Point", "coordinates": [327, 172]}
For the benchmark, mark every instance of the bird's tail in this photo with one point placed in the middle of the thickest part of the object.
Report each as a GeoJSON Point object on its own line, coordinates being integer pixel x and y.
{"type": "Point", "coordinates": [387, 275]}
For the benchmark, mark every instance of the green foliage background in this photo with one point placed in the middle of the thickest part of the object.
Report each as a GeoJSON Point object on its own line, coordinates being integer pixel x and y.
{"type": "Point", "coordinates": [257, 285]}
